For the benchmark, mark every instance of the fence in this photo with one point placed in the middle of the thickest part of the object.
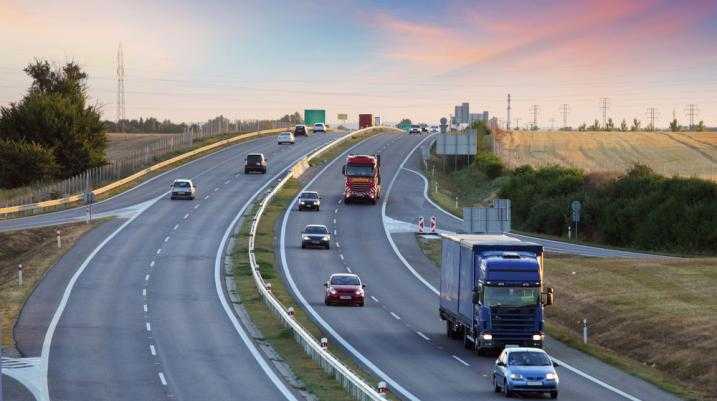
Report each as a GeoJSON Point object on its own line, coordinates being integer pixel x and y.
{"type": "Point", "coordinates": [133, 162]}
{"type": "Point", "coordinates": [358, 389]}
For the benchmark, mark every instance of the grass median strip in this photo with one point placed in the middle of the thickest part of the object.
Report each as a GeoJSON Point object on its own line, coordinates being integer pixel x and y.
{"type": "Point", "coordinates": [36, 249]}
{"type": "Point", "coordinates": [651, 318]}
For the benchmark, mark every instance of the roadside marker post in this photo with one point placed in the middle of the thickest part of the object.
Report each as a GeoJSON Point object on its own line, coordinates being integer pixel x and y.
{"type": "Point", "coordinates": [585, 331]}
{"type": "Point", "coordinates": [19, 275]}
{"type": "Point", "coordinates": [382, 388]}
{"type": "Point", "coordinates": [433, 224]}
{"type": "Point", "coordinates": [59, 239]}
{"type": "Point", "coordinates": [420, 225]}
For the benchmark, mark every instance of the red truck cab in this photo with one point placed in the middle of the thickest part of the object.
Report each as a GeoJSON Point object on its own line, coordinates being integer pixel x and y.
{"type": "Point", "coordinates": [363, 178]}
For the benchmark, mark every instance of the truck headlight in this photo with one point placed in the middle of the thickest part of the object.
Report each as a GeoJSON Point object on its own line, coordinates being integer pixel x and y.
{"type": "Point", "coordinates": [550, 376]}
{"type": "Point", "coordinates": [515, 376]}
{"type": "Point", "coordinates": [537, 337]}
{"type": "Point", "coordinates": [487, 337]}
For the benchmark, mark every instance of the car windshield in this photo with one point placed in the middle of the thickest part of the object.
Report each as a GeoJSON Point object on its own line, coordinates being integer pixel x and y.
{"type": "Point", "coordinates": [181, 184]}
{"type": "Point", "coordinates": [359, 171]}
{"type": "Point", "coordinates": [253, 159]}
{"type": "Point", "coordinates": [528, 358]}
{"type": "Point", "coordinates": [345, 280]}
{"type": "Point", "coordinates": [319, 125]}
{"type": "Point", "coordinates": [511, 296]}
{"type": "Point", "coordinates": [316, 230]}
{"type": "Point", "coordinates": [309, 195]}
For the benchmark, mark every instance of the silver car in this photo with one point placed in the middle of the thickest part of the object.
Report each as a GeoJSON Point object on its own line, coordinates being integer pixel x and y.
{"type": "Point", "coordinates": [286, 137]}
{"type": "Point", "coordinates": [183, 189]}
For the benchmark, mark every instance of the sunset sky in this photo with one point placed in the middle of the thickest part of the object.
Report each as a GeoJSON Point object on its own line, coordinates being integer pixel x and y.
{"type": "Point", "coordinates": [191, 60]}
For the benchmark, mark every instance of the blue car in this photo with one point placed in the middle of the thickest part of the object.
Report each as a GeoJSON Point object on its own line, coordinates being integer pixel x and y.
{"type": "Point", "coordinates": [525, 370]}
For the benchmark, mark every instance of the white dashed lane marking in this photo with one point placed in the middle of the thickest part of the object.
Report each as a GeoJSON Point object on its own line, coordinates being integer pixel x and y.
{"type": "Point", "coordinates": [152, 350]}
{"type": "Point", "coordinates": [348, 269]}
{"type": "Point", "coordinates": [185, 216]}
{"type": "Point", "coordinates": [460, 360]}
{"type": "Point", "coordinates": [206, 197]}
{"type": "Point", "coordinates": [395, 316]}
{"type": "Point", "coordinates": [159, 251]}
{"type": "Point", "coordinates": [162, 379]}
{"type": "Point", "coordinates": [144, 292]}
{"type": "Point", "coordinates": [146, 277]}
{"type": "Point", "coordinates": [151, 264]}
{"type": "Point", "coordinates": [145, 308]}
{"type": "Point", "coordinates": [166, 239]}
{"type": "Point", "coordinates": [341, 256]}
{"type": "Point", "coordinates": [196, 206]}
{"type": "Point", "coordinates": [176, 226]}
{"type": "Point", "coordinates": [374, 298]}
{"type": "Point", "coordinates": [423, 336]}
{"type": "Point", "coordinates": [149, 328]}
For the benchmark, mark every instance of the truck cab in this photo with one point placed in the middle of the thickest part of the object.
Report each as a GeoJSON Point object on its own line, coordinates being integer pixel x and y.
{"type": "Point", "coordinates": [492, 291]}
{"type": "Point", "coordinates": [363, 178]}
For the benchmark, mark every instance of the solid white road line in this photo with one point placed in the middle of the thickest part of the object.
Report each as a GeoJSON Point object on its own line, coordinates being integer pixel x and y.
{"type": "Point", "coordinates": [460, 360]}
{"type": "Point", "coordinates": [162, 379]}
{"type": "Point", "coordinates": [152, 350]}
{"type": "Point", "coordinates": [595, 380]}
{"type": "Point", "coordinates": [395, 316]}
{"type": "Point", "coordinates": [425, 337]}
{"type": "Point", "coordinates": [374, 298]}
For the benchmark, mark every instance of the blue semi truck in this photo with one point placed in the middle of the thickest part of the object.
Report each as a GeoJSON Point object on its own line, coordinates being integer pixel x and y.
{"type": "Point", "coordinates": [492, 291]}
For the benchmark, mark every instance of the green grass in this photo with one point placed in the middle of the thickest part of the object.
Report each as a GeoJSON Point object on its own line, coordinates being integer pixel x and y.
{"type": "Point", "coordinates": [317, 382]}
{"type": "Point", "coordinates": [331, 153]}
{"type": "Point", "coordinates": [656, 324]}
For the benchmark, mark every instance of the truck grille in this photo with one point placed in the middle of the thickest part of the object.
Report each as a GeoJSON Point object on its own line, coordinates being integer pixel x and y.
{"type": "Point", "coordinates": [360, 187]}
{"type": "Point", "coordinates": [513, 324]}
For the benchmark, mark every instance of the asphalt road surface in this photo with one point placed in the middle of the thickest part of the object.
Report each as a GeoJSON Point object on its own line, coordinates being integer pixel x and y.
{"type": "Point", "coordinates": [144, 320]}
{"type": "Point", "coordinates": [398, 334]}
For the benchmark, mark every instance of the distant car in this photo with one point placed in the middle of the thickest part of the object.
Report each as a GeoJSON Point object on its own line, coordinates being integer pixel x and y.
{"type": "Point", "coordinates": [255, 162]}
{"type": "Point", "coordinates": [344, 288]}
{"type": "Point", "coordinates": [183, 189]}
{"type": "Point", "coordinates": [286, 137]}
{"type": "Point", "coordinates": [525, 370]}
{"type": "Point", "coordinates": [309, 200]}
{"type": "Point", "coordinates": [301, 130]}
{"type": "Point", "coordinates": [424, 128]}
{"type": "Point", "coordinates": [315, 235]}
{"type": "Point", "coordinates": [434, 129]}
{"type": "Point", "coordinates": [319, 127]}
{"type": "Point", "coordinates": [415, 129]}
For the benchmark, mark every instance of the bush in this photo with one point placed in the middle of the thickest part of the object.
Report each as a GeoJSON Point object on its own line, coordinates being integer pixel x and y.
{"type": "Point", "coordinates": [489, 164]}
{"type": "Point", "coordinates": [24, 162]}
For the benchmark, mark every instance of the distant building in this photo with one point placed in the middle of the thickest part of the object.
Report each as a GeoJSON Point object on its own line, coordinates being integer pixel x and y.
{"type": "Point", "coordinates": [462, 115]}
{"type": "Point", "coordinates": [493, 123]}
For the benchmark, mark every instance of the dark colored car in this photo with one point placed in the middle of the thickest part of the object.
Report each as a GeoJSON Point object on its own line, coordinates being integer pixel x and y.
{"type": "Point", "coordinates": [255, 162]}
{"type": "Point", "coordinates": [301, 130]}
{"type": "Point", "coordinates": [315, 235]}
{"type": "Point", "coordinates": [309, 200]}
{"type": "Point", "coordinates": [344, 288]}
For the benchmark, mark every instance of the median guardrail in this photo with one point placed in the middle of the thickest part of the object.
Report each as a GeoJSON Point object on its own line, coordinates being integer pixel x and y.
{"type": "Point", "coordinates": [358, 388]}
{"type": "Point", "coordinates": [79, 197]}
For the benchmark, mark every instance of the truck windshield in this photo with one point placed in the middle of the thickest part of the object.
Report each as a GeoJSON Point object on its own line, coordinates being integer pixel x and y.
{"type": "Point", "coordinates": [511, 296]}
{"type": "Point", "coordinates": [359, 171]}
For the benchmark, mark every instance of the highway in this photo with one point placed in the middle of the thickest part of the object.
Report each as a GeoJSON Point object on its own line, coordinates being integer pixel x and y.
{"type": "Point", "coordinates": [133, 312]}
{"type": "Point", "coordinates": [398, 334]}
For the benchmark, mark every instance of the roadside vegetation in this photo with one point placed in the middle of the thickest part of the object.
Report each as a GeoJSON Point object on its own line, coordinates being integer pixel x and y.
{"type": "Point", "coordinates": [657, 324]}
{"type": "Point", "coordinates": [317, 382]}
{"type": "Point", "coordinates": [36, 249]}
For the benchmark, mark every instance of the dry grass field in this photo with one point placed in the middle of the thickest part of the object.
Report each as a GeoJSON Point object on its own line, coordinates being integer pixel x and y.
{"type": "Point", "coordinates": [684, 154]}
{"type": "Point", "coordinates": [121, 145]}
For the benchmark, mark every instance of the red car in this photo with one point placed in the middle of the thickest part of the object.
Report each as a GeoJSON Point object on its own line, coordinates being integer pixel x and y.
{"type": "Point", "coordinates": [344, 288]}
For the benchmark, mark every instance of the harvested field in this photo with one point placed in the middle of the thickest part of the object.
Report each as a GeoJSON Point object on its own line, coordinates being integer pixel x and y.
{"type": "Point", "coordinates": [120, 146]}
{"type": "Point", "coordinates": [683, 154]}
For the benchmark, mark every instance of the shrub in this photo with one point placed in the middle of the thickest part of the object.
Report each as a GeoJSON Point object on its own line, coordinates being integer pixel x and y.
{"type": "Point", "coordinates": [489, 164]}
{"type": "Point", "coordinates": [24, 162]}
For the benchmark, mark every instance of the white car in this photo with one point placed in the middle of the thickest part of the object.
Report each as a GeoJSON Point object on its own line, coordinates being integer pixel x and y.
{"type": "Point", "coordinates": [415, 129]}
{"type": "Point", "coordinates": [183, 189]}
{"type": "Point", "coordinates": [319, 127]}
{"type": "Point", "coordinates": [286, 137]}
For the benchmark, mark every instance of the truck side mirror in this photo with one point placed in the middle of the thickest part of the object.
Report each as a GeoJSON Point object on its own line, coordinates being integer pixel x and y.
{"type": "Point", "coordinates": [549, 296]}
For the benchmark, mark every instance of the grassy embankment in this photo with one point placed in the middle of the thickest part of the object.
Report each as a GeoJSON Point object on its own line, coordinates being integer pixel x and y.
{"type": "Point", "coordinates": [36, 249]}
{"type": "Point", "coordinates": [281, 339]}
{"type": "Point", "coordinates": [657, 324]}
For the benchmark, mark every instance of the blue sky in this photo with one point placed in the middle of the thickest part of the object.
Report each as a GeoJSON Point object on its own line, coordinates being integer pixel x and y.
{"type": "Point", "coordinates": [190, 60]}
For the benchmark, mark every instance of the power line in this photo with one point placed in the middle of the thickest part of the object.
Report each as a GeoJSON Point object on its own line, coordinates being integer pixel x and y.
{"type": "Point", "coordinates": [534, 109]}
{"type": "Point", "coordinates": [564, 112]}
{"type": "Point", "coordinates": [652, 113]}
{"type": "Point", "coordinates": [691, 111]}
{"type": "Point", "coordinates": [121, 116]}
{"type": "Point", "coordinates": [604, 106]}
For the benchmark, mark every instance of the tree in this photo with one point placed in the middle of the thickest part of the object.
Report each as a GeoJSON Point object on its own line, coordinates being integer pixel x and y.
{"type": "Point", "coordinates": [623, 125]}
{"type": "Point", "coordinates": [595, 126]}
{"type": "Point", "coordinates": [674, 125]}
{"type": "Point", "coordinates": [25, 162]}
{"type": "Point", "coordinates": [700, 126]}
{"type": "Point", "coordinates": [582, 127]}
{"type": "Point", "coordinates": [610, 125]}
{"type": "Point", "coordinates": [54, 115]}
{"type": "Point", "coordinates": [635, 125]}
{"type": "Point", "coordinates": [405, 121]}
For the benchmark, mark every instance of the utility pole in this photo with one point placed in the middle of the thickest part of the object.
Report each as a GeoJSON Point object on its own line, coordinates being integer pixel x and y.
{"type": "Point", "coordinates": [604, 106]}
{"type": "Point", "coordinates": [691, 111]}
{"type": "Point", "coordinates": [534, 109]}
{"type": "Point", "coordinates": [507, 121]}
{"type": "Point", "coordinates": [120, 89]}
{"type": "Point", "coordinates": [651, 115]}
{"type": "Point", "coordinates": [564, 112]}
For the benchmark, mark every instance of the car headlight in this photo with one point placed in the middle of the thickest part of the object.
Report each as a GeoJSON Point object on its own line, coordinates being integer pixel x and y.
{"type": "Point", "coordinates": [537, 337]}
{"type": "Point", "coordinates": [332, 291]}
{"type": "Point", "coordinates": [326, 238]}
{"type": "Point", "coordinates": [515, 376]}
{"type": "Point", "coordinates": [550, 376]}
{"type": "Point", "coordinates": [305, 238]}
{"type": "Point", "coordinates": [487, 337]}
{"type": "Point", "coordinates": [303, 203]}
{"type": "Point", "coordinates": [318, 202]}
{"type": "Point", "coordinates": [359, 292]}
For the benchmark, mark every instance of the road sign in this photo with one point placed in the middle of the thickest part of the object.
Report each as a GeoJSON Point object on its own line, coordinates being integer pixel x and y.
{"type": "Point", "coordinates": [89, 197]}
{"type": "Point", "coordinates": [575, 207]}
{"type": "Point", "coordinates": [342, 117]}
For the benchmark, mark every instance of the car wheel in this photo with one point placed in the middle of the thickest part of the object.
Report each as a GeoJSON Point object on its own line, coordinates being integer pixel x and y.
{"type": "Point", "coordinates": [326, 302]}
{"type": "Point", "coordinates": [361, 304]}
{"type": "Point", "coordinates": [303, 246]}
{"type": "Point", "coordinates": [496, 387]}
{"type": "Point", "coordinates": [553, 394]}
{"type": "Point", "coordinates": [328, 246]}
{"type": "Point", "coordinates": [506, 390]}
{"type": "Point", "coordinates": [317, 208]}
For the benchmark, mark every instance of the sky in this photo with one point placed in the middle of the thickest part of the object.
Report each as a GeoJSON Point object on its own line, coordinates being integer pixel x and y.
{"type": "Point", "coordinates": [192, 60]}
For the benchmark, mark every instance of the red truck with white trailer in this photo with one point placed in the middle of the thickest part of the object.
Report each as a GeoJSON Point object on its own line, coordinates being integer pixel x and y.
{"type": "Point", "coordinates": [365, 120]}
{"type": "Point", "coordinates": [363, 178]}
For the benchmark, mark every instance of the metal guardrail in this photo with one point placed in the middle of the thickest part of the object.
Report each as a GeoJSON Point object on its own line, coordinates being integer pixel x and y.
{"type": "Point", "coordinates": [358, 388]}
{"type": "Point", "coordinates": [141, 173]}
